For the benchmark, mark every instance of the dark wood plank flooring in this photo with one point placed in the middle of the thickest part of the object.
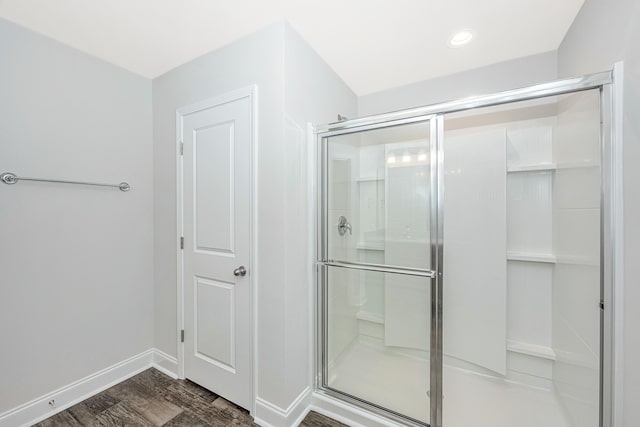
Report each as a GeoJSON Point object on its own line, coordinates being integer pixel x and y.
{"type": "Point", "coordinates": [313, 419]}
{"type": "Point", "coordinates": [152, 399]}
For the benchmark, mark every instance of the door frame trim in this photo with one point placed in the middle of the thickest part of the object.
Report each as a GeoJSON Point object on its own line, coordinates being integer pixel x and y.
{"type": "Point", "coordinates": [250, 92]}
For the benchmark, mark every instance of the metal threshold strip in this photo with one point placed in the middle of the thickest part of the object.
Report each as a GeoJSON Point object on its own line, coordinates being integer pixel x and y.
{"type": "Point", "coordinates": [380, 410]}
{"type": "Point", "coordinates": [379, 268]}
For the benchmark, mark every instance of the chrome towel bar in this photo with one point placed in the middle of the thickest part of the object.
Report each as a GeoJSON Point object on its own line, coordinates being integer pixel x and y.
{"type": "Point", "coordinates": [11, 178]}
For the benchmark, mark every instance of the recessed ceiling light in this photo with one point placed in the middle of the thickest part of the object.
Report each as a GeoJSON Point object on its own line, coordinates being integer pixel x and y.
{"type": "Point", "coordinates": [461, 38]}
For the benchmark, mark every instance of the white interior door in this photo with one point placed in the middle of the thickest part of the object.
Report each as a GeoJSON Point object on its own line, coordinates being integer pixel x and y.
{"type": "Point", "coordinates": [217, 245]}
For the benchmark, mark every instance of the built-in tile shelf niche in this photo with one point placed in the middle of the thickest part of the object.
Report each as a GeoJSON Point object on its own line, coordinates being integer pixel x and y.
{"type": "Point", "coordinates": [530, 256]}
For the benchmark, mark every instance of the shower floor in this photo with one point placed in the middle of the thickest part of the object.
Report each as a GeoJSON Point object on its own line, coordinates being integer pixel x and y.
{"type": "Point", "coordinates": [389, 378]}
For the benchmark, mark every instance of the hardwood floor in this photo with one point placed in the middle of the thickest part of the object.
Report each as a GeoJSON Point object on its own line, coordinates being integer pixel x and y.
{"type": "Point", "coordinates": [151, 399]}
{"type": "Point", "coordinates": [313, 419]}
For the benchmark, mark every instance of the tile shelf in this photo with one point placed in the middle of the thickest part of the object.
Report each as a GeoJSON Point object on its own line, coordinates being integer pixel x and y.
{"type": "Point", "coordinates": [541, 167]}
{"type": "Point", "coordinates": [531, 257]}
{"type": "Point", "coordinates": [550, 167]}
{"type": "Point", "coordinates": [578, 165]}
{"type": "Point", "coordinates": [370, 246]}
{"type": "Point", "coordinates": [370, 317]}
{"type": "Point", "coordinates": [531, 349]}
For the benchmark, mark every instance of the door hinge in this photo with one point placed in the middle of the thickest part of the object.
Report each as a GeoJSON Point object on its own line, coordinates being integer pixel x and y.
{"type": "Point", "coordinates": [181, 148]}
{"type": "Point", "coordinates": [182, 335]}
{"type": "Point", "coordinates": [601, 305]}
{"type": "Point", "coordinates": [182, 242]}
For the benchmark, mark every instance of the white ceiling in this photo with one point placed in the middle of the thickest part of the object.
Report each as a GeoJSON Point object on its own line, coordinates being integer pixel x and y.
{"type": "Point", "coordinates": [372, 44]}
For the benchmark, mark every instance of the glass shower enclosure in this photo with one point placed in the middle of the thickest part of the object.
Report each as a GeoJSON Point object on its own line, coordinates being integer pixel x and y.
{"type": "Point", "coordinates": [463, 259]}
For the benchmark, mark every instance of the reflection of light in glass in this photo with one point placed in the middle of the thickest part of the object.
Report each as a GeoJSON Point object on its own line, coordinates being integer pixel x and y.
{"type": "Point", "coordinates": [391, 159]}
{"type": "Point", "coordinates": [422, 157]}
{"type": "Point", "coordinates": [406, 157]}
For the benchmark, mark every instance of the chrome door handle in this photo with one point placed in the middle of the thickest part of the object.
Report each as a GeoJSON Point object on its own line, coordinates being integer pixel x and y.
{"type": "Point", "coordinates": [240, 271]}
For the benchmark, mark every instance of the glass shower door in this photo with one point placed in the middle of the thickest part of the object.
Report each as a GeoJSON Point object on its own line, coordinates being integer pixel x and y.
{"type": "Point", "coordinates": [376, 269]}
{"type": "Point", "coordinates": [465, 259]}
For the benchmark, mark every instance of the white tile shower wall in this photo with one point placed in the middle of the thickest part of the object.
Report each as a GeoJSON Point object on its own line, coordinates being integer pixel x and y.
{"type": "Point", "coordinates": [529, 303]}
{"type": "Point", "coordinates": [371, 237]}
{"type": "Point", "coordinates": [508, 75]}
{"type": "Point", "coordinates": [576, 241]}
{"type": "Point", "coordinates": [372, 161]}
{"type": "Point", "coordinates": [475, 305]}
{"type": "Point", "coordinates": [530, 233]}
{"type": "Point", "coordinates": [371, 197]}
{"type": "Point", "coordinates": [407, 241]}
{"type": "Point", "coordinates": [529, 130]}
{"type": "Point", "coordinates": [529, 146]}
{"type": "Point", "coordinates": [529, 229]}
{"type": "Point", "coordinates": [343, 307]}
{"type": "Point", "coordinates": [577, 133]}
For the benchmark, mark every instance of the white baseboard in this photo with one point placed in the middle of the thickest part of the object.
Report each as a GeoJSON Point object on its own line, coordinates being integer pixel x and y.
{"type": "Point", "coordinates": [266, 414]}
{"type": "Point", "coordinates": [269, 415]}
{"type": "Point", "coordinates": [39, 409]}
{"type": "Point", "coordinates": [164, 363]}
{"type": "Point", "coordinates": [345, 412]}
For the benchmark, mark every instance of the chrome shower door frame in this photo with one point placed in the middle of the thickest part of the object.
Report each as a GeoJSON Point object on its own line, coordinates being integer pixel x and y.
{"type": "Point", "coordinates": [434, 114]}
{"type": "Point", "coordinates": [323, 262]}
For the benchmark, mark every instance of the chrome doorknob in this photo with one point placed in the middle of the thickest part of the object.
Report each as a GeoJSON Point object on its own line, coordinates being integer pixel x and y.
{"type": "Point", "coordinates": [240, 271]}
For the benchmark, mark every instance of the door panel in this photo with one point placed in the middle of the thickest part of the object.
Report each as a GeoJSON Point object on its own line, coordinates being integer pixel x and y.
{"type": "Point", "coordinates": [214, 302]}
{"type": "Point", "coordinates": [378, 241]}
{"type": "Point", "coordinates": [216, 223]}
{"type": "Point", "coordinates": [214, 185]}
{"type": "Point", "coordinates": [360, 364]}
{"type": "Point", "coordinates": [379, 184]}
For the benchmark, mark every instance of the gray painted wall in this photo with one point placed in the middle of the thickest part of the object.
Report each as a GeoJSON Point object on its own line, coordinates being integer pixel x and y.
{"type": "Point", "coordinates": [313, 93]}
{"type": "Point", "coordinates": [256, 59]}
{"type": "Point", "coordinates": [310, 92]}
{"type": "Point", "coordinates": [493, 78]}
{"type": "Point", "coordinates": [76, 274]}
{"type": "Point", "coordinates": [603, 33]}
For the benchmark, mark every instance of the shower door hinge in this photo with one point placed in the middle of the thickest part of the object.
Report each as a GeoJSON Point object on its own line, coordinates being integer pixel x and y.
{"type": "Point", "coordinates": [182, 335]}
{"type": "Point", "coordinates": [182, 242]}
{"type": "Point", "coordinates": [601, 305]}
{"type": "Point", "coordinates": [181, 148]}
